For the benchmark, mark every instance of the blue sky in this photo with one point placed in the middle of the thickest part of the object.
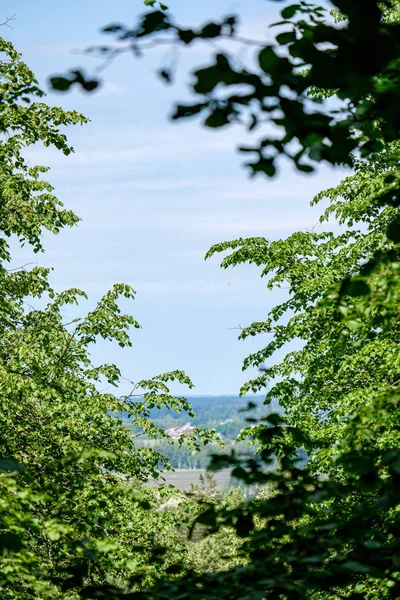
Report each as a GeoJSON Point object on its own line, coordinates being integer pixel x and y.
{"type": "Point", "coordinates": [154, 195]}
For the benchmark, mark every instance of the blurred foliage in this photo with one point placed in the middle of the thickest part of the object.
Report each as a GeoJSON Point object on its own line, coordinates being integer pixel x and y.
{"type": "Point", "coordinates": [358, 59]}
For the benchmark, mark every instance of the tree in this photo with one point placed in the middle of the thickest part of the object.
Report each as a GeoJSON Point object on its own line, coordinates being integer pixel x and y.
{"type": "Point", "coordinates": [342, 361]}
{"type": "Point", "coordinates": [75, 515]}
{"type": "Point", "coordinates": [220, 551]}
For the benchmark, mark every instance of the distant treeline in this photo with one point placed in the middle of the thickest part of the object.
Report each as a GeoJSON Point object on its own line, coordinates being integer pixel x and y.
{"type": "Point", "coordinates": [182, 457]}
{"type": "Point", "coordinates": [228, 415]}
{"type": "Point", "coordinates": [225, 414]}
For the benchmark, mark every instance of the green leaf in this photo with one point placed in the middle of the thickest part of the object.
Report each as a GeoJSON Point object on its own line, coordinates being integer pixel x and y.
{"type": "Point", "coordinates": [186, 35]}
{"type": "Point", "coordinates": [153, 21]}
{"type": "Point", "coordinates": [61, 84]}
{"type": "Point", "coordinates": [264, 165]}
{"type": "Point", "coordinates": [218, 118]}
{"type": "Point", "coordinates": [305, 168]}
{"type": "Point", "coordinates": [187, 110]}
{"type": "Point", "coordinates": [268, 60]}
{"type": "Point", "coordinates": [289, 11]}
{"type": "Point", "coordinates": [286, 38]}
{"type": "Point", "coordinates": [90, 85]}
{"type": "Point", "coordinates": [211, 30]}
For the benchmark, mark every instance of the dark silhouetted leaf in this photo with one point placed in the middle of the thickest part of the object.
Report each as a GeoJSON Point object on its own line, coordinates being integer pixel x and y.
{"type": "Point", "coordinates": [289, 11]}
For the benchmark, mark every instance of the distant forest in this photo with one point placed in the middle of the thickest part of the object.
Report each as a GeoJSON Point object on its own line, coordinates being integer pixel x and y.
{"type": "Point", "coordinates": [228, 415]}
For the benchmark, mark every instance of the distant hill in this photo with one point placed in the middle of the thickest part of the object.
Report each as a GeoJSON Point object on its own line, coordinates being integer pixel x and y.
{"type": "Point", "coordinates": [226, 414]}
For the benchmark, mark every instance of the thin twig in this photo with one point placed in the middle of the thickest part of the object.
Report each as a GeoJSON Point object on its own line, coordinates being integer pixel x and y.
{"type": "Point", "coordinates": [21, 268]}
{"type": "Point", "coordinates": [72, 336]}
{"type": "Point", "coordinates": [7, 21]}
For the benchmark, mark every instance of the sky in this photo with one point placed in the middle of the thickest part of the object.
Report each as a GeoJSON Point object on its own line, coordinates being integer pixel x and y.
{"type": "Point", "coordinates": [154, 195]}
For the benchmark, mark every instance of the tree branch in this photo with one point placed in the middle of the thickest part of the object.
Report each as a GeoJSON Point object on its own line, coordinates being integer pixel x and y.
{"type": "Point", "coordinates": [7, 21]}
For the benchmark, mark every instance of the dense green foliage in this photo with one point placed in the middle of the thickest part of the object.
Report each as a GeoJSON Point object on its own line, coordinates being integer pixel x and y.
{"type": "Point", "coordinates": [73, 509]}
{"type": "Point", "coordinates": [344, 360]}
{"type": "Point", "coordinates": [329, 530]}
